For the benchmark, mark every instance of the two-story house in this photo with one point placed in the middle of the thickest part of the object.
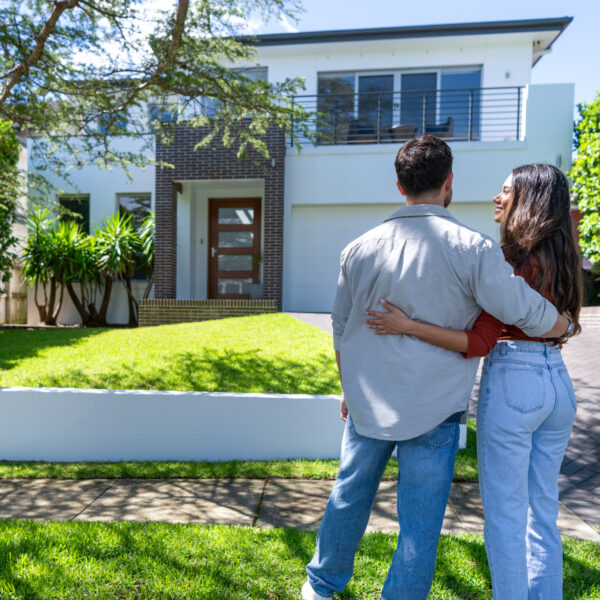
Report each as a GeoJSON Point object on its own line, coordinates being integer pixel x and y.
{"type": "Point", "coordinates": [237, 230]}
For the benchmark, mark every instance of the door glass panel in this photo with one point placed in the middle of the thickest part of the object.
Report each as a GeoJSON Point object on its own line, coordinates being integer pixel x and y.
{"type": "Point", "coordinates": [335, 100]}
{"type": "Point", "coordinates": [236, 216]}
{"type": "Point", "coordinates": [236, 239]}
{"type": "Point", "coordinates": [235, 262]}
{"type": "Point", "coordinates": [460, 101]}
{"type": "Point", "coordinates": [375, 105]}
{"type": "Point", "coordinates": [234, 286]}
{"type": "Point", "coordinates": [417, 100]}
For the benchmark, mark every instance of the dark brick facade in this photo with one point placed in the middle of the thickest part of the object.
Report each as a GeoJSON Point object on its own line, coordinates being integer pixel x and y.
{"type": "Point", "coordinates": [165, 312]}
{"type": "Point", "coordinates": [216, 162]}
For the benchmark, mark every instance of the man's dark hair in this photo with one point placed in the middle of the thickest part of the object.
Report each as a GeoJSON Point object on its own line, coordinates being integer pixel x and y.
{"type": "Point", "coordinates": [423, 164]}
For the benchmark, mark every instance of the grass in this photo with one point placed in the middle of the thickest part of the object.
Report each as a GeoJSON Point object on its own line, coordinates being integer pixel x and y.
{"type": "Point", "coordinates": [465, 468]}
{"type": "Point", "coordinates": [268, 353]}
{"type": "Point", "coordinates": [78, 561]}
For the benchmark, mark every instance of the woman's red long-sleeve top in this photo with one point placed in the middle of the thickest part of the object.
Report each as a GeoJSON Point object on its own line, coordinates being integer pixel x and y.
{"type": "Point", "coordinates": [487, 330]}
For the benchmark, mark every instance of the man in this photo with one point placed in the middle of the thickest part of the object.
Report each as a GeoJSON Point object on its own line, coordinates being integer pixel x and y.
{"type": "Point", "coordinates": [399, 392]}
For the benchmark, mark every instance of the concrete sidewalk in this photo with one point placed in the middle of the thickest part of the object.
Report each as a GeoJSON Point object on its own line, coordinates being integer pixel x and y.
{"type": "Point", "coordinates": [294, 503]}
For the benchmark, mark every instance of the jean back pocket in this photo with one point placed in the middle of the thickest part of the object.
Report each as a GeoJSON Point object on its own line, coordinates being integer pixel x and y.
{"type": "Point", "coordinates": [523, 387]}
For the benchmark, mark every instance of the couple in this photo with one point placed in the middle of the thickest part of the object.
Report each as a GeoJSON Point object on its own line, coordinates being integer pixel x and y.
{"type": "Point", "coordinates": [407, 387]}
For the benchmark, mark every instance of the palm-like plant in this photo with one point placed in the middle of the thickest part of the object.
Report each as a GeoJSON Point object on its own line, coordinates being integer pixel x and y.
{"type": "Point", "coordinates": [118, 245]}
{"type": "Point", "coordinates": [80, 265]}
{"type": "Point", "coordinates": [146, 254]}
{"type": "Point", "coordinates": [42, 264]}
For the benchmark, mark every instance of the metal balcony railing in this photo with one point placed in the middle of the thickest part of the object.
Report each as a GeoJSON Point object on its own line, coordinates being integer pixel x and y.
{"type": "Point", "coordinates": [472, 114]}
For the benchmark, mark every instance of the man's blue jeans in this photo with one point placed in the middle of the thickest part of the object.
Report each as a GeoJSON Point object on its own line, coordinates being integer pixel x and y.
{"type": "Point", "coordinates": [426, 466]}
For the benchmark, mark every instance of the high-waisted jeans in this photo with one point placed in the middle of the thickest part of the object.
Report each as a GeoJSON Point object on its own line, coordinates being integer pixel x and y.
{"type": "Point", "coordinates": [425, 467]}
{"type": "Point", "coordinates": [524, 419]}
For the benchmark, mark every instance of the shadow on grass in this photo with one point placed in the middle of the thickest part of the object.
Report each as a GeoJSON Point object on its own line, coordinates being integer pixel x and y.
{"type": "Point", "coordinates": [154, 560]}
{"type": "Point", "coordinates": [17, 345]}
{"type": "Point", "coordinates": [223, 371]}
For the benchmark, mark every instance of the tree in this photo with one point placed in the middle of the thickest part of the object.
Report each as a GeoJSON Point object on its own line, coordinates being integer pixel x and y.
{"type": "Point", "coordinates": [9, 193]}
{"type": "Point", "coordinates": [585, 176]}
{"type": "Point", "coordinates": [43, 264]}
{"type": "Point", "coordinates": [118, 245]}
{"type": "Point", "coordinates": [93, 68]}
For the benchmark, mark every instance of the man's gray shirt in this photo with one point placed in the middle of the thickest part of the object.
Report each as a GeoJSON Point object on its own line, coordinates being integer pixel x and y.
{"type": "Point", "coordinates": [436, 270]}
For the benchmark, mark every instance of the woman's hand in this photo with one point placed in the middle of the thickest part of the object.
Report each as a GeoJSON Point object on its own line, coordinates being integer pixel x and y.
{"type": "Point", "coordinates": [393, 322]}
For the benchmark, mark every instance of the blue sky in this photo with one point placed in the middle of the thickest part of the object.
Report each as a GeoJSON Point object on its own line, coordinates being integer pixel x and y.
{"type": "Point", "coordinates": [574, 58]}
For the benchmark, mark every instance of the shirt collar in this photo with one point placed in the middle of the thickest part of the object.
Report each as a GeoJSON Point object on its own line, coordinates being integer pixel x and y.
{"type": "Point", "coordinates": [421, 210]}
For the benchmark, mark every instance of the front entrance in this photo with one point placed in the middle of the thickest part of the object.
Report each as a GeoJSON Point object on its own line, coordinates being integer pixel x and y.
{"type": "Point", "coordinates": [234, 246]}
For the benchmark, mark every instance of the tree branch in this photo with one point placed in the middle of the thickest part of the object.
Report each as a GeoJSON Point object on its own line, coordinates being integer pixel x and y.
{"type": "Point", "coordinates": [17, 72]}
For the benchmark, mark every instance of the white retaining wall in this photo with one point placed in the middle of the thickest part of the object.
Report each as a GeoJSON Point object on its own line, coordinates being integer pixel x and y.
{"type": "Point", "coordinates": [71, 425]}
{"type": "Point", "coordinates": [109, 425]}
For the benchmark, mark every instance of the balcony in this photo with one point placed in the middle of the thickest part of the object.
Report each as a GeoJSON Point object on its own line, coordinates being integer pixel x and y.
{"type": "Point", "coordinates": [469, 114]}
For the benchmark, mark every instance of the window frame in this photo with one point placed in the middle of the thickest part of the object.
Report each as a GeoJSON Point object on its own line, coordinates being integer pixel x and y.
{"type": "Point", "coordinates": [397, 90]}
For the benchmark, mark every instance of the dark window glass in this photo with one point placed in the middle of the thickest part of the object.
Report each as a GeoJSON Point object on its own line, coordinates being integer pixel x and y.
{"type": "Point", "coordinates": [375, 105]}
{"type": "Point", "coordinates": [336, 101]}
{"type": "Point", "coordinates": [135, 205]}
{"type": "Point", "coordinates": [460, 101]}
{"type": "Point", "coordinates": [77, 208]}
{"type": "Point", "coordinates": [138, 207]}
{"type": "Point", "coordinates": [418, 100]}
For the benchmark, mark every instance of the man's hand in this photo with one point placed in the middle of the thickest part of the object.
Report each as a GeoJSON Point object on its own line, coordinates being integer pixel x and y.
{"type": "Point", "coordinates": [343, 408]}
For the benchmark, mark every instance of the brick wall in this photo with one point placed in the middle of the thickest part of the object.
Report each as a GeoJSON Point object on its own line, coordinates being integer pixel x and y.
{"type": "Point", "coordinates": [166, 311]}
{"type": "Point", "coordinates": [216, 162]}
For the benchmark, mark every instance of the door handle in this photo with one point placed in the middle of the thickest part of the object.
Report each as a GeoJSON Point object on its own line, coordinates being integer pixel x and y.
{"type": "Point", "coordinates": [213, 252]}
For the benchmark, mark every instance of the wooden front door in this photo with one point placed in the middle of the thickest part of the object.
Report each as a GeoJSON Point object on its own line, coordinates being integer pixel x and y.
{"type": "Point", "coordinates": [234, 250]}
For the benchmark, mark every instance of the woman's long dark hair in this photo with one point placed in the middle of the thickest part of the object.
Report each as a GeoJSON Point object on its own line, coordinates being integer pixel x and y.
{"type": "Point", "coordinates": [537, 225]}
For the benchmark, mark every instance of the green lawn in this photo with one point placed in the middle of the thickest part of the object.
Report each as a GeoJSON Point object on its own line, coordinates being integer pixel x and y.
{"type": "Point", "coordinates": [465, 469]}
{"type": "Point", "coordinates": [267, 353]}
{"type": "Point", "coordinates": [78, 561]}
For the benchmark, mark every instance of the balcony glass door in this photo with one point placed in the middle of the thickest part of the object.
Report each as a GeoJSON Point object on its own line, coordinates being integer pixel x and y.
{"type": "Point", "coordinates": [375, 106]}
{"type": "Point", "coordinates": [418, 100]}
{"type": "Point", "coordinates": [234, 252]}
{"type": "Point", "coordinates": [460, 100]}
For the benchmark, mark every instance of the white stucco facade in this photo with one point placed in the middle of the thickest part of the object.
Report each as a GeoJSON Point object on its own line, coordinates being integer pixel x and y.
{"type": "Point", "coordinates": [334, 193]}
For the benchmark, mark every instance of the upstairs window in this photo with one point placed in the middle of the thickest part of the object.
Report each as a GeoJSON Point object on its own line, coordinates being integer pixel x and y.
{"type": "Point", "coordinates": [75, 207]}
{"type": "Point", "coordinates": [397, 105]}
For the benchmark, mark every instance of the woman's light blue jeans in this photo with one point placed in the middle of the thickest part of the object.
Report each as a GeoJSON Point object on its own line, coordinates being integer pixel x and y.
{"type": "Point", "coordinates": [524, 419]}
{"type": "Point", "coordinates": [426, 466]}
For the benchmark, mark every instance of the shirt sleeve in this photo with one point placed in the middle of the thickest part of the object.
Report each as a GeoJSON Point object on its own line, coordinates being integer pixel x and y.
{"type": "Point", "coordinates": [341, 305]}
{"type": "Point", "coordinates": [484, 335]}
{"type": "Point", "coordinates": [507, 296]}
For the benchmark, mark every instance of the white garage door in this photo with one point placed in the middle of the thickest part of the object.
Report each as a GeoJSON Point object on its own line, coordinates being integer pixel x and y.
{"type": "Point", "coordinates": [316, 236]}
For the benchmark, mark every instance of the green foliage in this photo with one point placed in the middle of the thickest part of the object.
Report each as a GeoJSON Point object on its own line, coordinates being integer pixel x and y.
{"type": "Point", "coordinates": [59, 255]}
{"type": "Point", "coordinates": [9, 193]}
{"type": "Point", "coordinates": [585, 176]}
{"type": "Point", "coordinates": [86, 73]}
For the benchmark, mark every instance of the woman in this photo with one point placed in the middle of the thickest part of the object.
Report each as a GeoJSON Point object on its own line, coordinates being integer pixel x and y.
{"type": "Point", "coordinates": [526, 403]}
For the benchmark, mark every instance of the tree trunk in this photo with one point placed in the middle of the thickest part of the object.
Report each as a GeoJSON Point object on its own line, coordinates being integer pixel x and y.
{"type": "Point", "coordinates": [41, 307]}
{"type": "Point", "coordinates": [102, 314]}
{"type": "Point", "coordinates": [131, 301]}
{"type": "Point", "coordinates": [79, 305]}
{"type": "Point", "coordinates": [148, 287]}
{"type": "Point", "coordinates": [50, 315]}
